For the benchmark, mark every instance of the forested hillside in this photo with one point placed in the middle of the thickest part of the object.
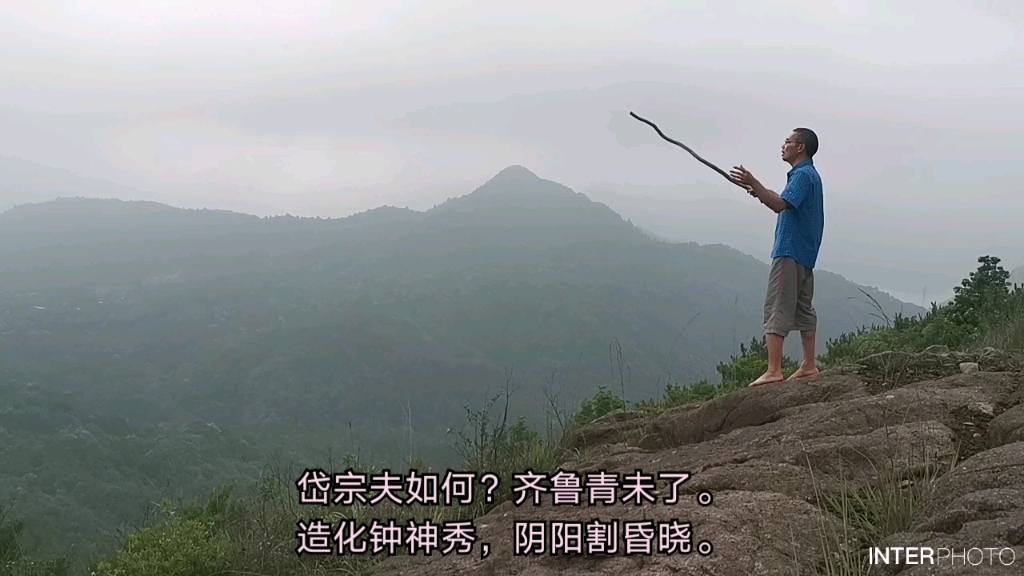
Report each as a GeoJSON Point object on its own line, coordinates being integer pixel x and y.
{"type": "Point", "coordinates": [151, 352]}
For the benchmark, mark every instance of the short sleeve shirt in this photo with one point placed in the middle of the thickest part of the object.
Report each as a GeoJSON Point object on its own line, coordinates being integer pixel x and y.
{"type": "Point", "coordinates": [799, 228]}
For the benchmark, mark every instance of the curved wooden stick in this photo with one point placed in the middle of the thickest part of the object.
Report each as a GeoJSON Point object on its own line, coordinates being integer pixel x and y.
{"type": "Point", "coordinates": [687, 148]}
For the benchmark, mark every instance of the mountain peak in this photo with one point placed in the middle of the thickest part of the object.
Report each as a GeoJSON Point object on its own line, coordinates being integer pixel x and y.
{"type": "Point", "coordinates": [516, 185]}
{"type": "Point", "coordinates": [518, 197]}
{"type": "Point", "coordinates": [514, 173]}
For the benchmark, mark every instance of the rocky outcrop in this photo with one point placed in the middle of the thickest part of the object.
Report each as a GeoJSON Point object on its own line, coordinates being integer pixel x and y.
{"type": "Point", "coordinates": [772, 458]}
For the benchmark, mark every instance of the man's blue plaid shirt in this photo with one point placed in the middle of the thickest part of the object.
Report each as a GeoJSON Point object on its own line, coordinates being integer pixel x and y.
{"type": "Point", "coordinates": [799, 228]}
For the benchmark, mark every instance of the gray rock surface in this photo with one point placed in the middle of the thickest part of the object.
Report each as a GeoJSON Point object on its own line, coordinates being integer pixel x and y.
{"type": "Point", "coordinates": [771, 457]}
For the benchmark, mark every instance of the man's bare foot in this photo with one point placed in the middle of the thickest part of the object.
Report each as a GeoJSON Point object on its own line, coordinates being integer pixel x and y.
{"type": "Point", "coordinates": [804, 373]}
{"type": "Point", "coordinates": [767, 378]}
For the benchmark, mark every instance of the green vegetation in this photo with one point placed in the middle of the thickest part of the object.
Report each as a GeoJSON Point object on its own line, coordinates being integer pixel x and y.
{"type": "Point", "coordinates": [736, 374]}
{"type": "Point", "coordinates": [867, 515]}
{"type": "Point", "coordinates": [150, 356]}
{"type": "Point", "coordinates": [986, 311]}
{"type": "Point", "coordinates": [255, 534]}
{"type": "Point", "coordinates": [149, 353]}
{"type": "Point", "coordinates": [13, 559]}
{"type": "Point", "coordinates": [192, 542]}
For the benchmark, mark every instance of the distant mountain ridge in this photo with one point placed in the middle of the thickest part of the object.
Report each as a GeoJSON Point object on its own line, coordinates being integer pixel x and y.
{"type": "Point", "coordinates": [514, 199]}
{"type": "Point", "coordinates": [23, 182]}
{"type": "Point", "coordinates": [513, 187]}
{"type": "Point", "coordinates": [515, 216]}
{"type": "Point", "coordinates": [84, 213]}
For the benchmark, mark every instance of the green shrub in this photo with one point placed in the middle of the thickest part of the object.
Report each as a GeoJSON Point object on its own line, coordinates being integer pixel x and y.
{"type": "Point", "coordinates": [1007, 333]}
{"type": "Point", "coordinates": [676, 395]}
{"type": "Point", "coordinates": [604, 402]}
{"type": "Point", "coordinates": [189, 544]}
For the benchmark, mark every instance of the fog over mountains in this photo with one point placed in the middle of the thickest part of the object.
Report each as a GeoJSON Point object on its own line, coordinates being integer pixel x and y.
{"type": "Point", "coordinates": [704, 212]}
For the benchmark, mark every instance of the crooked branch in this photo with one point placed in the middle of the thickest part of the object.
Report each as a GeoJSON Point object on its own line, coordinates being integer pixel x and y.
{"type": "Point", "coordinates": [687, 148]}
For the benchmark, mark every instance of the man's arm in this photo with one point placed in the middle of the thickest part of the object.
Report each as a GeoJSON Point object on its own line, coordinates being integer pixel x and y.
{"type": "Point", "coordinates": [769, 198]}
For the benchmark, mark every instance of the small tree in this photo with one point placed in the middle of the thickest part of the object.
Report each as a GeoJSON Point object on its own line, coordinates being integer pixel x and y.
{"type": "Point", "coordinates": [982, 295]}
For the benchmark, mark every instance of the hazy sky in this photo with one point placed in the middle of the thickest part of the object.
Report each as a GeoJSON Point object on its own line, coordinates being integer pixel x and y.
{"type": "Point", "coordinates": [332, 107]}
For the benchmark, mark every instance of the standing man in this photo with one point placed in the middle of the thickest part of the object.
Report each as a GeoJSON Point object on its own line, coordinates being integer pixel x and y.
{"type": "Point", "coordinates": [798, 233]}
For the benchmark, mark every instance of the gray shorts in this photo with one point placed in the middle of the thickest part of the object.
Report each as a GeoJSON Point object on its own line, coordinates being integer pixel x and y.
{"type": "Point", "coordinates": [787, 305]}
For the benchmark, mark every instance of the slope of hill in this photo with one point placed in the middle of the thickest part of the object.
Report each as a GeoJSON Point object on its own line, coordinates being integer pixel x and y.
{"type": "Point", "coordinates": [515, 234]}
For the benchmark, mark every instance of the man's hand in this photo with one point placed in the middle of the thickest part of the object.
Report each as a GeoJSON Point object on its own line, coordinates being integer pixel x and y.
{"type": "Point", "coordinates": [743, 177]}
